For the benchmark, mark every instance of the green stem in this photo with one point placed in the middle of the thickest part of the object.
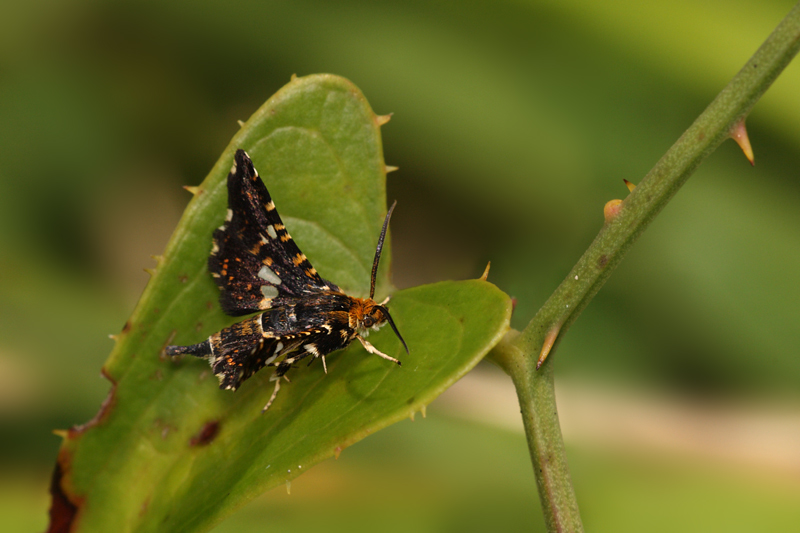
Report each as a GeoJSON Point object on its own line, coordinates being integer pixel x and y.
{"type": "Point", "coordinates": [537, 402]}
{"type": "Point", "coordinates": [710, 129]}
{"type": "Point", "coordinates": [518, 354]}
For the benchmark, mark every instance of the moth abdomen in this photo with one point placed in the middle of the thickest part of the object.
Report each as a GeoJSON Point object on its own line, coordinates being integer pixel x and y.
{"type": "Point", "coordinates": [202, 349]}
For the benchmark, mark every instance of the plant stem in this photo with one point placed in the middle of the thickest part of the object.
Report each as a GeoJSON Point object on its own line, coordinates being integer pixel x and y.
{"type": "Point", "coordinates": [519, 352]}
{"type": "Point", "coordinates": [537, 402]}
{"type": "Point", "coordinates": [710, 129]}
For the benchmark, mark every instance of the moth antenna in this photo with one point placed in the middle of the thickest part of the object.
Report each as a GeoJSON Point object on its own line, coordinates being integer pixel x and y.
{"type": "Point", "coordinates": [394, 328]}
{"type": "Point", "coordinates": [378, 253]}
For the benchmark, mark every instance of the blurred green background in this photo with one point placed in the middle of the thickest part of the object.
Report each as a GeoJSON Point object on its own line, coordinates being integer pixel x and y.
{"type": "Point", "coordinates": [514, 122]}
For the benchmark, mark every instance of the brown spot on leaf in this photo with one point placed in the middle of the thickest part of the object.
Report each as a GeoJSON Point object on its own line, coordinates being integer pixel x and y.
{"type": "Point", "coordinates": [144, 506]}
{"type": "Point", "coordinates": [206, 435]}
{"type": "Point", "coordinates": [603, 261]}
{"type": "Point", "coordinates": [183, 278]}
{"type": "Point", "coordinates": [63, 511]}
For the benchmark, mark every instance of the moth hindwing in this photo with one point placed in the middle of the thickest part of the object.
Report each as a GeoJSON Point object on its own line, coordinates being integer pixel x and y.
{"type": "Point", "coordinates": [259, 269]}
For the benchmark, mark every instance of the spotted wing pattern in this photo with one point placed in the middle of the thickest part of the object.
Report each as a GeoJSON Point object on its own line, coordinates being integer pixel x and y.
{"type": "Point", "coordinates": [279, 337]}
{"type": "Point", "coordinates": [258, 267]}
{"type": "Point", "coordinates": [254, 260]}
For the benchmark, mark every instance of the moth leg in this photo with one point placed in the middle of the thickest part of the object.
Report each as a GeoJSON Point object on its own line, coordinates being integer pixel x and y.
{"type": "Point", "coordinates": [312, 349]}
{"type": "Point", "coordinates": [371, 349]}
{"type": "Point", "coordinates": [274, 393]}
{"type": "Point", "coordinates": [277, 380]}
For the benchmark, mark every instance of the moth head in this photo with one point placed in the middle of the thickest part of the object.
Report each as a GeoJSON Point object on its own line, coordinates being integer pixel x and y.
{"type": "Point", "coordinates": [374, 317]}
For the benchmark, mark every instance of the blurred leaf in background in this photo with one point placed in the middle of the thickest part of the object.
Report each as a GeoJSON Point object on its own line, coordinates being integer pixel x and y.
{"type": "Point", "coordinates": [514, 122]}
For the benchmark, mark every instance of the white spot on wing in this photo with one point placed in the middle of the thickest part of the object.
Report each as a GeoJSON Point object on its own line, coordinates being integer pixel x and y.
{"type": "Point", "coordinates": [267, 274]}
{"type": "Point", "coordinates": [228, 215]}
{"type": "Point", "coordinates": [269, 291]}
{"type": "Point", "coordinates": [271, 231]}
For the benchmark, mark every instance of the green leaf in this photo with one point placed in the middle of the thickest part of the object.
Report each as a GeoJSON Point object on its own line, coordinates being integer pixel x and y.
{"type": "Point", "coordinates": [169, 451]}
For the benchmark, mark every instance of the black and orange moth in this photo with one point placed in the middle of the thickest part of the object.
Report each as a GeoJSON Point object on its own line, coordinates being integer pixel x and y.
{"type": "Point", "coordinates": [259, 269]}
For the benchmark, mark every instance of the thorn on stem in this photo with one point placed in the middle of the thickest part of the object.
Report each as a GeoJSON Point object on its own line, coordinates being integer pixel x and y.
{"type": "Point", "coordinates": [549, 340]}
{"type": "Point", "coordinates": [629, 185]}
{"type": "Point", "coordinates": [739, 134]}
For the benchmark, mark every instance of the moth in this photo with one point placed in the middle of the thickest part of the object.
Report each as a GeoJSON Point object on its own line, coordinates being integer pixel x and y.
{"type": "Point", "coordinates": [259, 269]}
